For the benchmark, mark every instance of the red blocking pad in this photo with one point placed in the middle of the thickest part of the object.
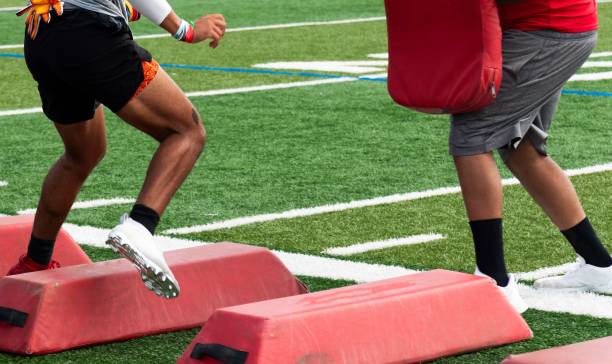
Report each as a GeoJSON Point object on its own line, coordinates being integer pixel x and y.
{"type": "Point", "coordinates": [15, 234]}
{"type": "Point", "coordinates": [408, 319]}
{"type": "Point", "coordinates": [590, 352]}
{"type": "Point", "coordinates": [444, 56]}
{"type": "Point", "coordinates": [107, 301]}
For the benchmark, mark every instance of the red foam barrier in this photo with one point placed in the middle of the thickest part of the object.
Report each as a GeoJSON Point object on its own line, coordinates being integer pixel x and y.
{"type": "Point", "coordinates": [15, 234]}
{"type": "Point", "coordinates": [402, 320]}
{"type": "Point", "coordinates": [107, 301]}
{"type": "Point", "coordinates": [444, 56]}
{"type": "Point", "coordinates": [589, 352]}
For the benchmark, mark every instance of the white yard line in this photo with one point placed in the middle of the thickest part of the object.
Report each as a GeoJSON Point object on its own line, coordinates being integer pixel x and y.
{"type": "Point", "coordinates": [546, 272]}
{"type": "Point", "coordinates": [89, 204]}
{"type": "Point", "coordinates": [576, 303]}
{"type": "Point", "coordinates": [310, 211]}
{"type": "Point", "coordinates": [601, 54]}
{"type": "Point", "coordinates": [598, 76]}
{"type": "Point", "coordinates": [32, 110]}
{"type": "Point", "coordinates": [229, 91]}
{"type": "Point", "coordinates": [3, 183]}
{"type": "Point", "coordinates": [253, 28]}
{"type": "Point", "coordinates": [3, 10]}
{"type": "Point", "coordinates": [383, 244]}
{"type": "Point", "coordinates": [299, 264]}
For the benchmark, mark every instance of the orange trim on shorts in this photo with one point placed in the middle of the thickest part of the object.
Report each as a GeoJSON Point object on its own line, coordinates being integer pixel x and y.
{"type": "Point", "coordinates": [149, 70]}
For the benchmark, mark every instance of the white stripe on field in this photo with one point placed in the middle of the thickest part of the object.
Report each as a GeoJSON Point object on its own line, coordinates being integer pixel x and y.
{"type": "Point", "coordinates": [276, 86]}
{"type": "Point", "coordinates": [3, 183]}
{"type": "Point", "coordinates": [601, 54]}
{"type": "Point", "coordinates": [597, 64]}
{"type": "Point", "coordinates": [253, 28]}
{"type": "Point", "coordinates": [310, 211]}
{"type": "Point", "coordinates": [2, 10]}
{"type": "Point", "coordinates": [383, 244]}
{"type": "Point", "coordinates": [546, 272]}
{"type": "Point", "coordinates": [299, 264]}
{"type": "Point", "coordinates": [228, 91]}
{"type": "Point", "coordinates": [33, 110]}
{"type": "Point", "coordinates": [89, 204]}
{"type": "Point", "coordinates": [576, 303]}
{"type": "Point", "coordinates": [599, 76]}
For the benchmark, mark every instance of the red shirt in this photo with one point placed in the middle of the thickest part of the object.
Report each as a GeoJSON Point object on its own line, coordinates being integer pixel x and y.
{"type": "Point", "coordinates": [567, 16]}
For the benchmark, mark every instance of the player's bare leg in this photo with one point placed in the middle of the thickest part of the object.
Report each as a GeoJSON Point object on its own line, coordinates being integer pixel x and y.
{"type": "Point", "coordinates": [85, 145]}
{"type": "Point", "coordinates": [162, 111]}
{"type": "Point", "coordinates": [553, 191]}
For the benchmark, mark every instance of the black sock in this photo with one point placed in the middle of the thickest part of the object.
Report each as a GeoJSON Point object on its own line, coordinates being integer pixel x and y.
{"type": "Point", "coordinates": [146, 216]}
{"type": "Point", "coordinates": [40, 251]}
{"type": "Point", "coordinates": [489, 246]}
{"type": "Point", "coordinates": [586, 244]}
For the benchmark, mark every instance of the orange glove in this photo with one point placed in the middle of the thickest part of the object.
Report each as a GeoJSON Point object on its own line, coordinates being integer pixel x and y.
{"type": "Point", "coordinates": [38, 9]}
{"type": "Point", "coordinates": [131, 13]}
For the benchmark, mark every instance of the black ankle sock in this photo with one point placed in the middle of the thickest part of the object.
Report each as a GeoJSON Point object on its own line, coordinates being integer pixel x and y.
{"type": "Point", "coordinates": [40, 250]}
{"type": "Point", "coordinates": [146, 216]}
{"type": "Point", "coordinates": [586, 244]}
{"type": "Point", "coordinates": [489, 246]}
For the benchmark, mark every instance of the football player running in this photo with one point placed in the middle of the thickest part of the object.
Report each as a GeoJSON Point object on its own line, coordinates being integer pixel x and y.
{"type": "Point", "coordinates": [83, 56]}
{"type": "Point", "coordinates": [544, 43]}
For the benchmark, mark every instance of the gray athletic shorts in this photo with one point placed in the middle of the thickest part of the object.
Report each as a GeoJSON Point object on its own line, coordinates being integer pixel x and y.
{"type": "Point", "coordinates": [536, 65]}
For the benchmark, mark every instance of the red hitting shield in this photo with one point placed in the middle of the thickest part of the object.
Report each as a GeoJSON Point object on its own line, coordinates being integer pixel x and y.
{"type": "Point", "coordinates": [444, 56]}
{"type": "Point", "coordinates": [408, 319]}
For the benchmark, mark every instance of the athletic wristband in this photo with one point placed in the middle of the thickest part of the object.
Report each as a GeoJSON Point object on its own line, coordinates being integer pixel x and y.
{"type": "Point", "coordinates": [185, 32]}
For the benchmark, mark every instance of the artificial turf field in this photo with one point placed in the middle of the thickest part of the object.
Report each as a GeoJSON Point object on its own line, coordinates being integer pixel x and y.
{"type": "Point", "coordinates": [308, 146]}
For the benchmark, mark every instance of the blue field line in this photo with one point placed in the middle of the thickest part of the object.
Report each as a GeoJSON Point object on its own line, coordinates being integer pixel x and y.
{"type": "Point", "coordinates": [303, 74]}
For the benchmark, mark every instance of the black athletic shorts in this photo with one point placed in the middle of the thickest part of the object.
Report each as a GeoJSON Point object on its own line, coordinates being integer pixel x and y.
{"type": "Point", "coordinates": [82, 59]}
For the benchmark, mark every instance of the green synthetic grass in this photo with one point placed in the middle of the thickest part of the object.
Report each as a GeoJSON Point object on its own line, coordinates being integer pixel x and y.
{"type": "Point", "coordinates": [277, 150]}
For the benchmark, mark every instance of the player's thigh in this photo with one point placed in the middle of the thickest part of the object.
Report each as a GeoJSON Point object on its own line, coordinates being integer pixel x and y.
{"type": "Point", "coordinates": [162, 109]}
{"type": "Point", "coordinates": [85, 142]}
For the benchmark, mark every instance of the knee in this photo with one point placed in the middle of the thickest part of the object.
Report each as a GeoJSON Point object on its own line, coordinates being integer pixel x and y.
{"type": "Point", "coordinates": [85, 161]}
{"type": "Point", "coordinates": [197, 133]}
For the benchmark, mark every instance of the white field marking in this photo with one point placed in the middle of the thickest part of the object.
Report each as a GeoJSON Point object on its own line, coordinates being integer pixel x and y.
{"type": "Point", "coordinates": [383, 244]}
{"type": "Point", "coordinates": [2, 10]}
{"type": "Point", "coordinates": [253, 28]}
{"type": "Point", "coordinates": [353, 67]}
{"type": "Point", "coordinates": [229, 91]}
{"type": "Point", "coordinates": [276, 86]}
{"type": "Point", "coordinates": [597, 64]}
{"type": "Point", "coordinates": [576, 303]}
{"type": "Point", "coordinates": [546, 272]}
{"type": "Point", "coordinates": [89, 204]}
{"type": "Point", "coordinates": [599, 76]}
{"type": "Point", "coordinates": [299, 264]}
{"type": "Point", "coordinates": [3, 183]}
{"type": "Point", "coordinates": [379, 55]}
{"type": "Point", "coordinates": [384, 200]}
{"type": "Point", "coordinates": [32, 110]}
{"type": "Point", "coordinates": [601, 54]}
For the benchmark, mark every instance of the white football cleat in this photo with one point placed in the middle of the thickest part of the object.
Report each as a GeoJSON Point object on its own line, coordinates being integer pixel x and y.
{"type": "Point", "coordinates": [135, 243]}
{"type": "Point", "coordinates": [584, 278]}
{"type": "Point", "coordinates": [510, 291]}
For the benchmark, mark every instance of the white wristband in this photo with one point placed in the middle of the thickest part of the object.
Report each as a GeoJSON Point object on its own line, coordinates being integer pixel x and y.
{"type": "Point", "coordinates": [154, 10]}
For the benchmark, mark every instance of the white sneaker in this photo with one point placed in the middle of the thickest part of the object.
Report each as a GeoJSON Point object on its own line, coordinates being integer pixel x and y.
{"type": "Point", "coordinates": [135, 243]}
{"type": "Point", "coordinates": [585, 277]}
{"type": "Point", "coordinates": [510, 292]}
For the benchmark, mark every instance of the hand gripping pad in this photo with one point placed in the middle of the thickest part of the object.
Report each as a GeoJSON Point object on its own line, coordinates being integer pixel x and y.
{"type": "Point", "coordinates": [15, 234]}
{"type": "Point", "coordinates": [107, 301]}
{"type": "Point", "coordinates": [444, 56]}
{"type": "Point", "coordinates": [408, 319]}
{"type": "Point", "coordinates": [589, 352]}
